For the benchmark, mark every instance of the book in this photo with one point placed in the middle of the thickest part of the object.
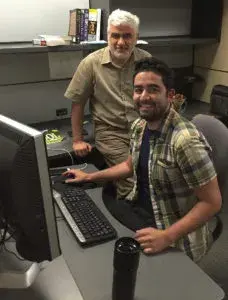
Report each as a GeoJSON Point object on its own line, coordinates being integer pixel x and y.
{"type": "Point", "coordinates": [94, 24]}
{"type": "Point", "coordinates": [74, 24]}
{"type": "Point", "coordinates": [82, 25]}
{"type": "Point", "coordinates": [86, 23]}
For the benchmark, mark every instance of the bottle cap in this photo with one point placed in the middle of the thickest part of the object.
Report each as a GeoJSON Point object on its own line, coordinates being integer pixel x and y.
{"type": "Point", "coordinates": [126, 254]}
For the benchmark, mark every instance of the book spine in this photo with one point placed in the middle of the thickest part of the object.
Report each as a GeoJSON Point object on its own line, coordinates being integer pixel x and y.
{"type": "Point", "coordinates": [98, 31]}
{"type": "Point", "coordinates": [72, 23]}
{"type": "Point", "coordinates": [82, 21]}
{"type": "Point", "coordinates": [78, 21]}
{"type": "Point", "coordinates": [92, 25]}
{"type": "Point", "coordinates": [86, 21]}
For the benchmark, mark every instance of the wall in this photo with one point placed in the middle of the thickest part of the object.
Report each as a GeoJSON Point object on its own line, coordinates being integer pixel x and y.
{"type": "Point", "coordinates": [159, 17]}
{"type": "Point", "coordinates": [25, 19]}
{"type": "Point", "coordinates": [32, 85]}
{"type": "Point", "coordinates": [211, 62]}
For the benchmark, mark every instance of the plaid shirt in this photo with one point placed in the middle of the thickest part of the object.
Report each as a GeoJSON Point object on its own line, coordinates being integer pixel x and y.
{"type": "Point", "coordinates": [178, 163]}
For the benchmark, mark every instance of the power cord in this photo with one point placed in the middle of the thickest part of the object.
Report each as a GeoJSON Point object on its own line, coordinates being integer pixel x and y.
{"type": "Point", "coordinates": [64, 150]}
{"type": "Point", "coordinates": [4, 239]}
{"type": "Point", "coordinates": [85, 165]}
{"type": "Point", "coordinates": [13, 253]}
{"type": "Point", "coordinates": [3, 233]}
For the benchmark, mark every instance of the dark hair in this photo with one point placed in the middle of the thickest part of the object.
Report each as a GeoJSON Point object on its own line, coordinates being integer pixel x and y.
{"type": "Point", "coordinates": [152, 64]}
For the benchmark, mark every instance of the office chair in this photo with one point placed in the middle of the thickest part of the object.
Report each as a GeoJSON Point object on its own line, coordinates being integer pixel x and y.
{"type": "Point", "coordinates": [216, 134]}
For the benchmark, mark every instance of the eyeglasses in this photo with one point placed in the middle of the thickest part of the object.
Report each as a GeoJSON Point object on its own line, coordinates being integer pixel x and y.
{"type": "Point", "coordinates": [124, 36]}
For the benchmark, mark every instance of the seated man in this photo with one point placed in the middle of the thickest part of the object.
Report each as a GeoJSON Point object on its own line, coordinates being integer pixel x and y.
{"type": "Point", "coordinates": [174, 177]}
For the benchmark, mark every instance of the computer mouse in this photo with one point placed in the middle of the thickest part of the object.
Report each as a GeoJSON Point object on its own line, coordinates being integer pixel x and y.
{"type": "Point", "coordinates": [62, 178]}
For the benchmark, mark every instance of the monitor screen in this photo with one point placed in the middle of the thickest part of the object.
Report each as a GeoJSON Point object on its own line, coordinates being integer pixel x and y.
{"type": "Point", "coordinates": [26, 202]}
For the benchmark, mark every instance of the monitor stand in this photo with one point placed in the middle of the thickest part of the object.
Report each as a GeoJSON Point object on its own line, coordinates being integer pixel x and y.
{"type": "Point", "coordinates": [17, 279]}
{"type": "Point", "coordinates": [50, 280]}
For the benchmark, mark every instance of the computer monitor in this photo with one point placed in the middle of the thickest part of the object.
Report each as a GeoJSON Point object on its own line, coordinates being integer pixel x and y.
{"type": "Point", "coordinates": [26, 202]}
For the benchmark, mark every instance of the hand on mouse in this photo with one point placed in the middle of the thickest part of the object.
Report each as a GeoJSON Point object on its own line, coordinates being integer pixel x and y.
{"type": "Point", "coordinates": [75, 175]}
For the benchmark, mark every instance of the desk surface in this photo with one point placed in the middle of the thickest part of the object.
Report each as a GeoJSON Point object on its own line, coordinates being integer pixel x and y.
{"type": "Point", "coordinates": [64, 126]}
{"type": "Point", "coordinates": [169, 275]}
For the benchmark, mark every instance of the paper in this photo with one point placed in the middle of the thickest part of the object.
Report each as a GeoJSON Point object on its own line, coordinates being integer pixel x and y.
{"type": "Point", "coordinates": [49, 40]}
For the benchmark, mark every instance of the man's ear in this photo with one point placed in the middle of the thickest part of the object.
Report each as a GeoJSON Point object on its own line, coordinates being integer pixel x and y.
{"type": "Point", "coordinates": [137, 37]}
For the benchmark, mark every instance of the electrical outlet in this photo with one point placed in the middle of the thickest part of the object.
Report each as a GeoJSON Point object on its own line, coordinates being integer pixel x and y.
{"type": "Point", "coordinates": [60, 112]}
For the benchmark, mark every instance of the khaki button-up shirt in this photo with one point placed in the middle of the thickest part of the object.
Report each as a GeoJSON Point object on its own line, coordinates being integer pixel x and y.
{"type": "Point", "coordinates": [109, 88]}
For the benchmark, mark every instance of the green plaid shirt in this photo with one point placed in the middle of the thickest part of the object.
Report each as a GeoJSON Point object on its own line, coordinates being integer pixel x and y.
{"type": "Point", "coordinates": [178, 163]}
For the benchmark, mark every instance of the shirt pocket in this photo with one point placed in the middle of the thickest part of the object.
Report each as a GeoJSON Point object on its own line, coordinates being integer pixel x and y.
{"type": "Point", "coordinates": [168, 179]}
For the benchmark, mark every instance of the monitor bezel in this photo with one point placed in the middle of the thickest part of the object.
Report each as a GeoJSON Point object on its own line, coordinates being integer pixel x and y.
{"type": "Point", "coordinates": [17, 132]}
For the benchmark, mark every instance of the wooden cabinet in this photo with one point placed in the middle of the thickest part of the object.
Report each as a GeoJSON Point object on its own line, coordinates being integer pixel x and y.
{"type": "Point", "coordinates": [170, 21]}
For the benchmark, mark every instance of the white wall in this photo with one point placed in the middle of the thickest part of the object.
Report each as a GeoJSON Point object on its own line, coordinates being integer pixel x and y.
{"type": "Point", "coordinates": [23, 20]}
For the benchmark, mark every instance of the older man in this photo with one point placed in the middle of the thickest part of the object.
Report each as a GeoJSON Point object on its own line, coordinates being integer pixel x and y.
{"type": "Point", "coordinates": [105, 78]}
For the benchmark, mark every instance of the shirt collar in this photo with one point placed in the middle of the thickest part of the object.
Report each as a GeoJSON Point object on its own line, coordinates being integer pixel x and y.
{"type": "Point", "coordinates": [172, 114]}
{"type": "Point", "coordinates": [106, 58]}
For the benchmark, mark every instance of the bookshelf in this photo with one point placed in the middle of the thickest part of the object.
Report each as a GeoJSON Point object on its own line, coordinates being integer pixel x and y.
{"type": "Point", "coordinates": [170, 22]}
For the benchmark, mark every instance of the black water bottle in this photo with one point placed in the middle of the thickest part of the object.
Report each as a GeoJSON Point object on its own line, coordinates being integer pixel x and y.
{"type": "Point", "coordinates": [125, 265]}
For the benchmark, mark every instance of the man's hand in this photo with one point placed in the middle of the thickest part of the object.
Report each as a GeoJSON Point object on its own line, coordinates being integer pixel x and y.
{"type": "Point", "coordinates": [77, 175]}
{"type": "Point", "coordinates": [81, 148]}
{"type": "Point", "coordinates": [152, 240]}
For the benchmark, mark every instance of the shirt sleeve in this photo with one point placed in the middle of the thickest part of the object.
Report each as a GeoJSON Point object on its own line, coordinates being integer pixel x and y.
{"type": "Point", "coordinates": [81, 85]}
{"type": "Point", "coordinates": [193, 158]}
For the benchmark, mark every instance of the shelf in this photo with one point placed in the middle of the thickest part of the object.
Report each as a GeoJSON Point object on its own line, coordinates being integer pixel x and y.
{"type": "Point", "coordinates": [8, 48]}
{"type": "Point", "coordinates": [178, 40]}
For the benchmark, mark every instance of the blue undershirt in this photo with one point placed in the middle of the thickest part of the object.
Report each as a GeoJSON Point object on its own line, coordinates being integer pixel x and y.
{"type": "Point", "coordinates": [144, 200]}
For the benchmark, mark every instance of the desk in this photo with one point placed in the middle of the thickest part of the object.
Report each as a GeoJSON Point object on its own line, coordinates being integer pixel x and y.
{"type": "Point", "coordinates": [64, 126]}
{"type": "Point", "coordinates": [169, 275]}
{"type": "Point", "coordinates": [61, 154]}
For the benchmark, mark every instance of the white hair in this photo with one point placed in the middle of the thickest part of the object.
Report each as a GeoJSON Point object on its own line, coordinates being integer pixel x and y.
{"type": "Point", "coordinates": [119, 17]}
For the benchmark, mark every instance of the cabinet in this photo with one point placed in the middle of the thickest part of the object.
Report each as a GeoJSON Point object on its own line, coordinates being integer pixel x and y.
{"type": "Point", "coordinates": [170, 22]}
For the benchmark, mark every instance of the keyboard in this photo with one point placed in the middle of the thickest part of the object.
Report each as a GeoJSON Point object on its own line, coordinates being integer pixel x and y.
{"type": "Point", "coordinates": [85, 219]}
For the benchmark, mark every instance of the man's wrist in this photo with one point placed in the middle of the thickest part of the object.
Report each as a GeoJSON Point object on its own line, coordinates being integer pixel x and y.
{"type": "Point", "coordinates": [77, 140]}
{"type": "Point", "coordinates": [89, 177]}
{"type": "Point", "coordinates": [172, 234]}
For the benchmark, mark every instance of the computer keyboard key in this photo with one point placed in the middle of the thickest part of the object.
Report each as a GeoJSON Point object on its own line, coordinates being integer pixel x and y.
{"type": "Point", "coordinates": [87, 222]}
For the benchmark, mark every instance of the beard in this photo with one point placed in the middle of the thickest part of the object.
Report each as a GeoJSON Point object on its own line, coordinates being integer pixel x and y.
{"type": "Point", "coordinates": [154, 113]}
{"type": "Point", "coordinates": [121, 54]}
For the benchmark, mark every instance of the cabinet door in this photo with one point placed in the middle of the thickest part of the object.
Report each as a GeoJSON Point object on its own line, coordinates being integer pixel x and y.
{"type": "Point", "coordinates": [206, 18]}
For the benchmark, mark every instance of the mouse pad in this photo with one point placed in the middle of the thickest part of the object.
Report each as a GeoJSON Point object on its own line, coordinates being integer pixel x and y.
{"type": "Point", "coordinates": [59, 185]}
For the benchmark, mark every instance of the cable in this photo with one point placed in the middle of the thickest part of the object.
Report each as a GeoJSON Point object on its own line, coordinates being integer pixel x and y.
{"type": "Point", "coordinates": [4, 239]}
{"type": "Point", "coordinates": [65, 150]}
{"type": "Point", "coordinates": [83, 168]}
{"type": "Point", "coordinates": [13, 253]}
{"type": "Point", "coordinates": [3, 234]}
